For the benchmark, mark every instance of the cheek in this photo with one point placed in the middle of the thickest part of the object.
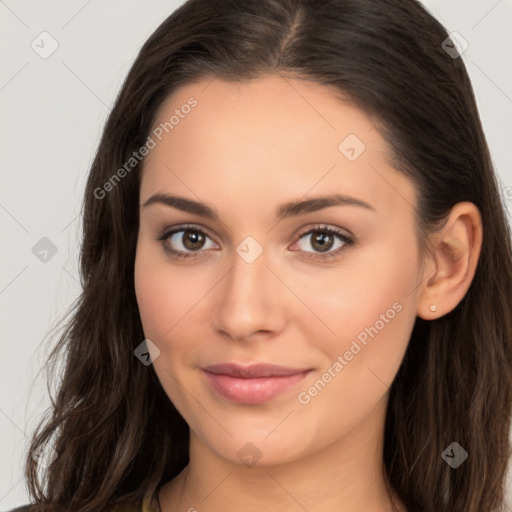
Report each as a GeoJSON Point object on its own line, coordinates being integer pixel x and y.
{"type": "Point", "coordinates": [171, 306]}
{"type": "Point", "coordinates": [370, 311]}
{"type": "Point", "coordinates": [163, 293]}
{"type": "Point", "coordinates": [164, 298]}
{"type": "Point", "coordinates": [367, 289]}
{"type": "Point", "coordinates": [372, 324]}
{"type": "Point", "coordinates": [153, 299]}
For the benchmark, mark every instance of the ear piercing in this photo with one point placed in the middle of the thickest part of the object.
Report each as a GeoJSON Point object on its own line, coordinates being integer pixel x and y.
{"type": "Point", "coordinates": [432, 307]}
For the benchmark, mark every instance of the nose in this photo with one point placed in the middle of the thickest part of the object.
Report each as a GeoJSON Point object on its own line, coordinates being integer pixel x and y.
{"type": "Point", "coordinates": [251, 302]}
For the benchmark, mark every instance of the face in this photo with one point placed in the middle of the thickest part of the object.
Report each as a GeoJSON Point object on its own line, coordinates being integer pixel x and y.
{"type": "Point", "coordinates": [324, 289]}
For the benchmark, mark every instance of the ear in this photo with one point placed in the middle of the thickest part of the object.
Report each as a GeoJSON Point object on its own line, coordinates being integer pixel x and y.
{"type": "Point", "coordinates": [451, 265]}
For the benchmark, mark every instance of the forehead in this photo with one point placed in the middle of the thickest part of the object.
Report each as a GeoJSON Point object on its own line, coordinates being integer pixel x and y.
{"type": "Point", "coordinates": [266, 136]}
{"type": "Point", "coordinates": [271, 103]}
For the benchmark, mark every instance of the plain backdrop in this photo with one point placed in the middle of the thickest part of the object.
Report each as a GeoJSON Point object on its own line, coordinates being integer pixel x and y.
{"type": "Point", "coordinates": [53, 108]}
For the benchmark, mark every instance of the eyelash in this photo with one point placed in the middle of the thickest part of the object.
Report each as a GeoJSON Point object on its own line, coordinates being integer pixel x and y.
{"type": "Point", "coordinates": [347, 241]}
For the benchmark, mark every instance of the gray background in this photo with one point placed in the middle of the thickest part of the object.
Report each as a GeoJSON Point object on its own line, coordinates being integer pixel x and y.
{"type": "Point", "coordinates": [53, 110]}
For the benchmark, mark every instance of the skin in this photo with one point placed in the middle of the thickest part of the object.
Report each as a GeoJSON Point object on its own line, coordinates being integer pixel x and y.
{"type": "Point", "coordinates": [245, 149]}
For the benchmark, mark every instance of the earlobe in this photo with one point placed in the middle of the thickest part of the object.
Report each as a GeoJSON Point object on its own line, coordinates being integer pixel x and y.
{"type": "Point", "coordinates": [454, 255]}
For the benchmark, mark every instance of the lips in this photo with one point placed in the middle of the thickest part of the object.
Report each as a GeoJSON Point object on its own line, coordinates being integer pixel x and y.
{"type": "Point", "coordinates": [253, 371]}
{"type": "Point", "coordinates": [253, 384]}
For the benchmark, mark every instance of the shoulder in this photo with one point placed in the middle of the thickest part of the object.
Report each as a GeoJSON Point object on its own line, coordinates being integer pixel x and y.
{"type": "Point", "coordinates": [147, 505]}
{"type": "Point", "coordinates": [113, 508]}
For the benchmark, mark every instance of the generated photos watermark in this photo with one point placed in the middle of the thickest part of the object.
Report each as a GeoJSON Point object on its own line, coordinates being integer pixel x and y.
{"type": "Point", "coordinates": [143, 151]}
{"type": "Point", "coordinates": [357, 345]}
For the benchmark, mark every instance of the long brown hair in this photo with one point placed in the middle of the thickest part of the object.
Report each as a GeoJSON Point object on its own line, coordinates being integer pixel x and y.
{"type": "Point", "coordinates": [117, 435]}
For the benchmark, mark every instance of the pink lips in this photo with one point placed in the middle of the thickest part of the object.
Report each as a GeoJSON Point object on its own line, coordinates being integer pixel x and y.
{"type": "Point", "coordinates": [252, 384]}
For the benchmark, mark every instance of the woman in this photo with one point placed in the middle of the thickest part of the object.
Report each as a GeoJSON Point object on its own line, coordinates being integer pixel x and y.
{"type": "Point", "coordinates": [297, 275]}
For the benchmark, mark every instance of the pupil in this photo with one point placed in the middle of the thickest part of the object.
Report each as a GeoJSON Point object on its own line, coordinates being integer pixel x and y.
{"type": "Point", "coordinates": [324, 240]}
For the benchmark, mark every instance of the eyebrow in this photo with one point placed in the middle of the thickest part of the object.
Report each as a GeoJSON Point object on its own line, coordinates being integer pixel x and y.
{"type": "Point", "coordinates": [291, 209]}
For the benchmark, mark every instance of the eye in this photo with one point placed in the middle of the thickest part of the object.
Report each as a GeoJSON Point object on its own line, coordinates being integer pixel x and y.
{"type": "Point", "coordinates": [184, 241]}
{"type": "Point", "coordinates": [190, 240]}
{"type": "Point", "coordinates": [326, 242]}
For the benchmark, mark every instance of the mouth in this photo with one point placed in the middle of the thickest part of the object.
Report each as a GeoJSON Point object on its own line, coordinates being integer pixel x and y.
{"type": "Point", "coordinates": [253, 384]}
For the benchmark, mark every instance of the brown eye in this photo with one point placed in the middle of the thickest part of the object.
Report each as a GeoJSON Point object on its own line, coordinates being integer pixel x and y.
{"type": "Point", "coordinates": [322, 241]}
{"type": "Point", "coordinates": [185, 241]}
{"type": "Point", "coordinates": [192, 239]}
